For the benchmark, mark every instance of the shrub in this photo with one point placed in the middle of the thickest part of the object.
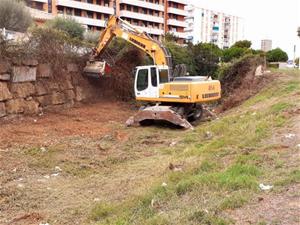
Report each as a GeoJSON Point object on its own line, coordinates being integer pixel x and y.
{"type": "Point", "coordinates": [277, 55]}
{"type": "Point", "coordinates": [206, 58]}
{"type": "Point", "coordinates": [68, 25]}
{"type": "Point", "coordinates": [14, 16]}
{"type": "Point", "coordinates": [92, 36]}
{"type": "Point", "coordinates": [233, 53]}
{"type": "Point", "coordinates": [243, 44]}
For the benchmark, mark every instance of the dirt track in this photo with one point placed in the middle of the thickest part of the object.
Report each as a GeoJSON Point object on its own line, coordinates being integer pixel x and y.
{"type": "Point", "coordinates": [92, 120]}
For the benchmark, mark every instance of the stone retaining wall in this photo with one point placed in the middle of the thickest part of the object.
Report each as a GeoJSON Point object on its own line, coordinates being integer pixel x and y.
{"type": "Point", "coordinates": [29, 87]}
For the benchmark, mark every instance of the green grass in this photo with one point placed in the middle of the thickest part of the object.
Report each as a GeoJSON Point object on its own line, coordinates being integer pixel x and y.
{"type": "Point", "coordinates": [290, 178]}
{"type": "Point", "coordinates": [234, 201]}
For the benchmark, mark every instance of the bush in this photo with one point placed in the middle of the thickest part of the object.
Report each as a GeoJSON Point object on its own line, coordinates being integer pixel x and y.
{"type": "Point", "coordinates": [206, 58]}
{"type": "Point", "coordinates": [14, 16]}
{"type": "Point", "coordinates": [181, 55]}
{"type": "Point", "coordinates": [92, 37]}
{"type": "Point", "coordinates": [68, 25]}
{"type": "Point", "coordinates": [277, 55]}
{"type": "Point", "coordinates": [243, 44]}
{"type": "Point", "coordinates": [233, 53]}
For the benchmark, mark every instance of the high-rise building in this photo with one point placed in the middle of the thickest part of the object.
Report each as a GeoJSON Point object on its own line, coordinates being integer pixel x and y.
{"type": "Point", "coordinates": [156, 17]}
{"type": "Point", "coordinates": [208, 26]}
{"type": "Point", "coordinates": [266, 45]}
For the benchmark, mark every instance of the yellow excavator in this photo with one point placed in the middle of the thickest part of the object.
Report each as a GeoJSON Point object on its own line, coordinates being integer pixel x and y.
{"type": "Point", "coordinates": [174, 99]}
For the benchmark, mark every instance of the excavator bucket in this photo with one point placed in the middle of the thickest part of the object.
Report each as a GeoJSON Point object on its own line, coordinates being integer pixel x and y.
{"type": "Point", "coordinates": [159, 113]}
{"type": "Point", "coordinates": [96, 69]}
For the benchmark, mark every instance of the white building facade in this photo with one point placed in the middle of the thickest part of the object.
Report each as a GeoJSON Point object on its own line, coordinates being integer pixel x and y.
{"type": "Point", "coordinates": [208, 26]}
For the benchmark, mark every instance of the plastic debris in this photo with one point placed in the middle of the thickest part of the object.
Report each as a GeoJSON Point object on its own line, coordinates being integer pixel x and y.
{"type": "Point", "coordinates": [173, 143]}
{"type": "Point", "coordinates": [20, 185]}
{"type": "Point", "coordinates": [54, 174]}
{"type": "Point", "coordinates": [164, 184]}
{"type": "Point", "coordinates": [208, 135]}
{"type": "Point", "coordinates": [290, 136]}
{"type": "Point", "coordinates": [96, 199]}
{"type": "Point", "coordinates": [47, 176]}
{"type": "Point", "coordinates": [253, 114]}
{"type": "Point", "coordinates": [44, 224]}
{"type": "Point", "coordinates": [43, 149]}
{"type": "Point", "coordinates": [298, 145]}
{"type": "Point", "coordinates": [57, 168]}
{"type": "Point", "coordinates": [265, 187]}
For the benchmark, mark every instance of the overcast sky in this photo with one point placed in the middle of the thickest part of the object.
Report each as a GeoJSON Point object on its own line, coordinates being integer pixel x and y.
{"type": "Point", "coordinates": [264, 19]}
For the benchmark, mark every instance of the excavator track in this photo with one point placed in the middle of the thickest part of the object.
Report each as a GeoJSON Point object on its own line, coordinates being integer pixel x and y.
{"type": "Point", "coordinates": [159, 113]}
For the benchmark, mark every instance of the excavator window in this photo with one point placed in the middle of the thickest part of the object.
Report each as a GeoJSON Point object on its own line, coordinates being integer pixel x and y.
{"type": "Point", "coordinates": [163, 76]}
{"type": "Point", "coordinates": [142, 79]}
{"type": "Point", "coordinates": [153, 77]}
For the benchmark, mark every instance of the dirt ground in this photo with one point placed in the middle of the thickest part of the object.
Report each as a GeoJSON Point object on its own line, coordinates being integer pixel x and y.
{"type": "Point", "coordinates": [55, 166]}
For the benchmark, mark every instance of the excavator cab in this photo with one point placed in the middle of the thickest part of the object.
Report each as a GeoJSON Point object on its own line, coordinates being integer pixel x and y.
{"type": "Point", "coordinates": [148, 80]}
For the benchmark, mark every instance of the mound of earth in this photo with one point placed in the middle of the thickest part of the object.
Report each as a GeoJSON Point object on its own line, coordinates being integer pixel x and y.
{"type": "Point", "coordinates": [240, 82]}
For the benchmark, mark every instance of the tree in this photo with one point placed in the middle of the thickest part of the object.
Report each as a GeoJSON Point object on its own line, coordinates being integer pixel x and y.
{"type": "Point", "coordinates": [68, 25]}
{"type": "Point", "coordinates": [181, 55]}
{"type": "Point", "coordinates": [14, 16]}
{"type": "Point", "coordinates": [277, 55]}
{"type": "Point", "coordinates": [169, 37]}
{"type": "Point", "coordinates": [92, 36]}
{"type": "Point", "coordinates": [233, 53]}
{"type": "Point", "coordinates": [243, 44]}
{"type": "Point", "coordinates": [206, 58]}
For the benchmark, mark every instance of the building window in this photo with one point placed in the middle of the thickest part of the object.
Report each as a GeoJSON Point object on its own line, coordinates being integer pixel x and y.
{"type": "Point", "coordinates": [145, 11]}
{"type": "Point", "coordinates": [60, 9]}
{"type": "Point", "coordinates": [90, 1]}
{"type": "Point", "coordinates": [106, 3]}
{"type": "Point", "coordinates": [69, 11]}
{"type": "Point", "coordinates": [90, 14]}
{"type": "Point", "coordinates": [77, 12]}
{"type": "Point", "coordinates": [128, 7]}
{"type": "Point", "coordinates": [135, 9]}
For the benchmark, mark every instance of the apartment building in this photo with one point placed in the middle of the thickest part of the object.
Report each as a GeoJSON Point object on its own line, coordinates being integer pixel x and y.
{"type": "Point", "coordinates": [266, 45]}
{"type": "Point", "coordinates": [208, 26]}
{"type": "Point", "coordinates": [156, 17]}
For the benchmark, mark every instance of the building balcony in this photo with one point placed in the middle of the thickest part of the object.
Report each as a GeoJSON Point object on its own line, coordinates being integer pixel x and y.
{"type": "Point", "coordinates": [40, 15]}
{"type": "Point", "coordinates": [184, 2]}
{"type": "Point", "coordinates": [89, 21]}
{"type": "Point", "coordinates": [140, 16]}
{"type": "Point", "coordinates": [144, 4]}
{"type": "Point", "coordinates": [85, 20]}
{"type": "Point", "coordinates": [175, 11]}
{"type": "Point", "coordinates": [188, 29]}
{"type": "Point", "coordinates": [177, 23]}
{"type": "Point", "coordinates": [179, 34]}
{"type": "Point", "coordinates": [42, 1]}
{"type": "Point", "coordinates": [150, 30]}
{"type": "Point", "coordinates": [85, 6]}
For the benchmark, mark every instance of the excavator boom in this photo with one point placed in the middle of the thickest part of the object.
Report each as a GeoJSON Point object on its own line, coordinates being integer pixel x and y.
{"type": "Point", "coordinates": [116, 27]}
